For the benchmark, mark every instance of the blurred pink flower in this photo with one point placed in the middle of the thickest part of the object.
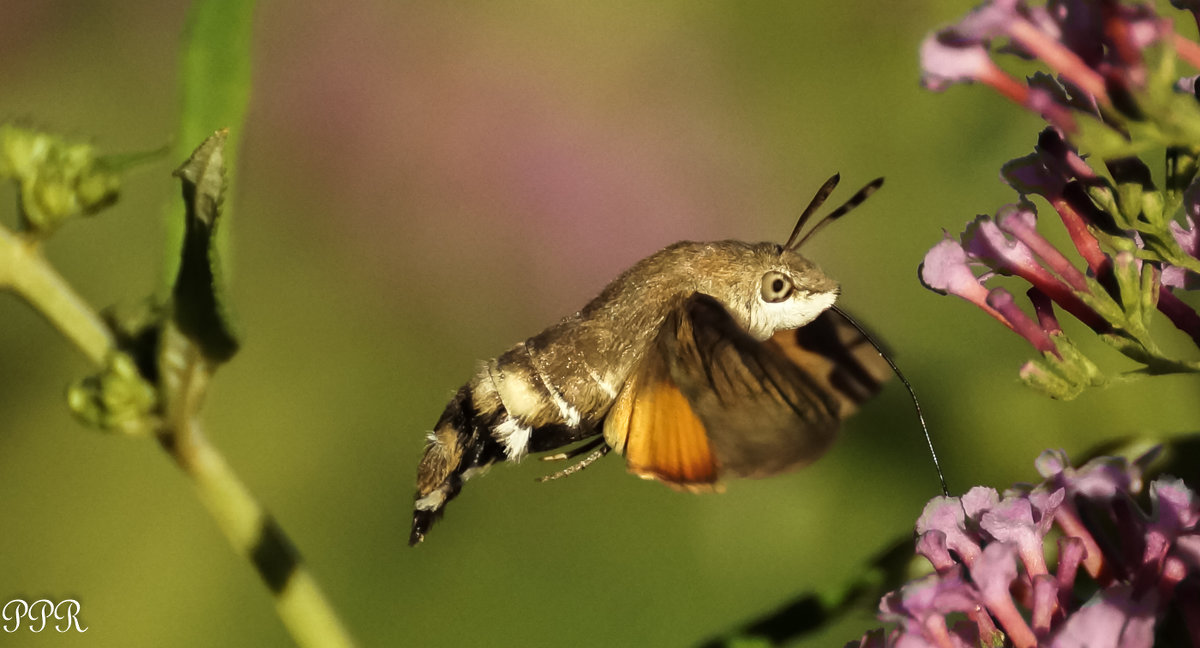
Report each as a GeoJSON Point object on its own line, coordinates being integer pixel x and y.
{"type": "Point", "coordinates": [994, 582]}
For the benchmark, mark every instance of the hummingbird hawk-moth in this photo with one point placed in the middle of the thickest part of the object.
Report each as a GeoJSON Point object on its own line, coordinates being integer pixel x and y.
{"type": "Point", "coordinates": [702, 361]}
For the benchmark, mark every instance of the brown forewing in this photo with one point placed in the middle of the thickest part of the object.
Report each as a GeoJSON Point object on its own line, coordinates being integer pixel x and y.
{"type": "Point", "coordinates": [710, 401]}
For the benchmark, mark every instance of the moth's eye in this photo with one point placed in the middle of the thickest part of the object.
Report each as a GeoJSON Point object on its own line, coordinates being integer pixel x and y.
{"type": "Point", "coordinates": [776, 287]}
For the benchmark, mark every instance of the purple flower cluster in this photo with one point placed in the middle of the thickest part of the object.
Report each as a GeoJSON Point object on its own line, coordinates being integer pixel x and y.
{"type": "Point", "coordinates": [1094, 46]}
{"type": "Point", "coordinates": [1113, 572]}
{"type": "Point", "coordinates": [1112, 95]}
{"type": "Point", "coordinates": [1010, 244]}
{"type": "Point", "coordinates": [1077, 560]}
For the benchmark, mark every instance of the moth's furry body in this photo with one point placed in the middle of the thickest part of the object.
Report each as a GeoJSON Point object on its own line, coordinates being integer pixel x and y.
{"type": "Point", "coordinates": [675, 364]}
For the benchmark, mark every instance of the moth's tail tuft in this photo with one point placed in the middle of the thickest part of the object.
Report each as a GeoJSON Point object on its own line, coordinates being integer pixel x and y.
{"type": "Point", "coordinates": [422, 520]}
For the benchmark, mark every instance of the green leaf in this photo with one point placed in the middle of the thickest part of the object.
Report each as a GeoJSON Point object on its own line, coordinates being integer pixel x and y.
{"type": "Point", "coordinates": [168, 353]}
{"type": "Point", "coordinates": [198, 307]}
{"type": "Point", "coordinates": [215, 87]}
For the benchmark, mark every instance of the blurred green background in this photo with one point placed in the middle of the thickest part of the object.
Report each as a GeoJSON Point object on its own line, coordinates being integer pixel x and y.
{"type": "Point", "coordinates": [425, 183]}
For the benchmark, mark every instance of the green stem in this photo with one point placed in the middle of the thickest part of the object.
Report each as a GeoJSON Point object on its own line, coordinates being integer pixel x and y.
{"type": "Point", "coordinates": [25, 271]}
{"type": "Point", "coordinates": [299, 602]}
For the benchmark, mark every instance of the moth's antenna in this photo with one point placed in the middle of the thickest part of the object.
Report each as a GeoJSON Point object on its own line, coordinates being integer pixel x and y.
{"type": "Point", "coordinates": [813, 205]}
{"type": "Point", "coordinates": [916, 404]}
{"type": "Point", "coordinates": [854, 201]}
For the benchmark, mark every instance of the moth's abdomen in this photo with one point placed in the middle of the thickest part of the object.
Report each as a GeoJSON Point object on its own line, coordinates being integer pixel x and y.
{"type": "Point", "coordinates": [507, 411]}
{"type": "Point", "coordinates": [461, 443]}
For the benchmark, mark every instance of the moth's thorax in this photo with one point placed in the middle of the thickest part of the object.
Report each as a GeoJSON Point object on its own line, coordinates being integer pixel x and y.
{"type": "Point", "coordinates": [732, 273]}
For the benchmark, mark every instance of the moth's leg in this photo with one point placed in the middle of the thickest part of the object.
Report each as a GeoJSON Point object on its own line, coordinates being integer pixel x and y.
{"type": "Point", "coordinates": [576, 451]}
{"type": "Point", "coordinates": [576, 467]}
